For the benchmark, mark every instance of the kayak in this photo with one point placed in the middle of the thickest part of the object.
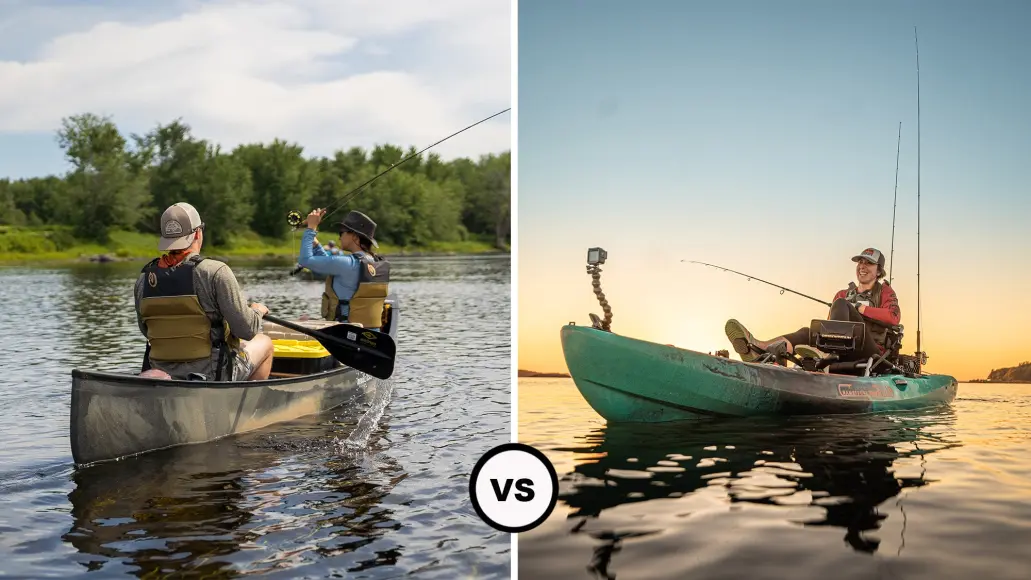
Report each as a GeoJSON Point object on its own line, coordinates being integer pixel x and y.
{"type": "Point", "coordinates": [117, 415]}
{"type": "Point", "coordinates": [629, 380]}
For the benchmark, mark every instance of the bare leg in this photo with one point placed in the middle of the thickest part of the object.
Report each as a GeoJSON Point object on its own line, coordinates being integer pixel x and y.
{"type": "Point", "coordinates": [259, 352]}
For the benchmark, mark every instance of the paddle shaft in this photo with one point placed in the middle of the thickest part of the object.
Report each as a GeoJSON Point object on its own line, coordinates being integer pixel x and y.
{"type": "Point", "coordinates": [323, 337]}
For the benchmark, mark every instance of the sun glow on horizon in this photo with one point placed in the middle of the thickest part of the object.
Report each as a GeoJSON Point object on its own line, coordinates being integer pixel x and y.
{"type": "Point", "coordinates": [687, 306]}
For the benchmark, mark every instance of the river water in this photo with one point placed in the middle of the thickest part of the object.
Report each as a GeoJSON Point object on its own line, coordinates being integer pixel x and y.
{"type": "Point", "coordinates": [936, 494]}
{"type": "Point", "coordinates": [377, 489]}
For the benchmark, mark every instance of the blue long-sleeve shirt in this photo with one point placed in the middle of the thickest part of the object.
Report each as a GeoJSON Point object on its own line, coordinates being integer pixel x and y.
{"type": "Point", "coordinates": [344, 269]}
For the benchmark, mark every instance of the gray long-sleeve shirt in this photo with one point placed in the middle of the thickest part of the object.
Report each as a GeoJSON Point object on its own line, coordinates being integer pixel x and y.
{"type": "Point", "coordinates": [219, 295]}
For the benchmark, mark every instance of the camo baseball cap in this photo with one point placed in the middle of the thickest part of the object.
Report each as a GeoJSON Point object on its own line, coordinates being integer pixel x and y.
{"type": "Point", "coordinates": [177, 225]}
{"type": "Point", "coordinates": [872, 255]}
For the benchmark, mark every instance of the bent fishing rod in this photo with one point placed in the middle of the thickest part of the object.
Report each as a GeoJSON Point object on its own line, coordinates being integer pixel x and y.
{"type": "Point", "coordinates": [782, 288]}
{"type": "Point", "coordinates": [294, 218]}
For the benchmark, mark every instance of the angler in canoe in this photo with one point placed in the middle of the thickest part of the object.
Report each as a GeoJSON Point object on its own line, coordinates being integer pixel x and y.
{"type": "Point", "coordinates": [215, 367]}
{"type": "Point", "coordinates": [872, 303]}
{"type": "Point", "coordinates": [189, 307]}
{"type": "Point", "coordinates": [356, 283]}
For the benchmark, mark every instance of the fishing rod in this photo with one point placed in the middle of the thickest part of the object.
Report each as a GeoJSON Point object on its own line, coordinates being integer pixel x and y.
{"type": "Point", "coordinates": [919, 353]}
{"type": "Point", "coordinates": [782, 288]}
{"type": "Point", "coordinates": [294, 217]}
{"type": "Point", "coordinates": [898, 149]}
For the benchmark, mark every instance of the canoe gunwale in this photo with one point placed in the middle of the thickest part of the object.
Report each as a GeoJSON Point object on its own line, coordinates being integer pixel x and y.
{"type": "Point", "coordinates": [136, 380]}
{"type": "Point", "coordinates": [124, 379]}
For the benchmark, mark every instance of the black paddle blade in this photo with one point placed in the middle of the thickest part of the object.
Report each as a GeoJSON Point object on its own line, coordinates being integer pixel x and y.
{"type": "Point", "coordinates": [369, 351]}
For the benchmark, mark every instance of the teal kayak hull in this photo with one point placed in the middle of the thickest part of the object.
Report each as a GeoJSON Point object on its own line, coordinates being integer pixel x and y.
{"type": "Point", "coordinates": [629, 380]}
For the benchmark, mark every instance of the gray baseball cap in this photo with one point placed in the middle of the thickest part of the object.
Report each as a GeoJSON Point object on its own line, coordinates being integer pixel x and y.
{"type": "Point", "coordinates": [177, 225]}
{"type": "Point", "coordinates": [871, 255]}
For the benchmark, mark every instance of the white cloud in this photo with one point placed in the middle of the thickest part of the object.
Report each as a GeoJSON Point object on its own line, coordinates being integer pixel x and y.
{"type": "Point", "coordinates": [326, 74]}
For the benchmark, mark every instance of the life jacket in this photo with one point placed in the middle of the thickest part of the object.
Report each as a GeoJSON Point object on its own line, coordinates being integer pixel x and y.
{"type": "Point", "coordinates": [871, 298]}
{"type": "Point", "coordinates": [367, 304]}
{"type": "Point", "coordinates": [178, 328]}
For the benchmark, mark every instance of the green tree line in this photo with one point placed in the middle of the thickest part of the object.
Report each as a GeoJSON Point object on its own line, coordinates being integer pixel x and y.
{"type": "Point", "coordinates": [119, 182]}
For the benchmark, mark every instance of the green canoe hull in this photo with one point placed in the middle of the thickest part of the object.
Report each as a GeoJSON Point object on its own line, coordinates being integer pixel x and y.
{"type": "Point", "coordinates": [630, 380]}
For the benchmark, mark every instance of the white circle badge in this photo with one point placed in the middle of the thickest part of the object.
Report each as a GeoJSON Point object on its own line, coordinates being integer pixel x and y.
{"type": "Point", "coordinates": [514, 488]}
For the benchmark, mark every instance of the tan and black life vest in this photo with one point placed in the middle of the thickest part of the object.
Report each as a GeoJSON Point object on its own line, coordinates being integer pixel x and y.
{"type": "Point", "coordinates": [872, 298]}
{"type": "Point", "coordinates": [178, 328]}
{"type": "Point", "coordinates": [366, 305]}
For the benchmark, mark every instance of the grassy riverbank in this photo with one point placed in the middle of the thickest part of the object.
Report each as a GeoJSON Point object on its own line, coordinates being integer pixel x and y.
{"type": "Point", "coordinates": [55, 245]}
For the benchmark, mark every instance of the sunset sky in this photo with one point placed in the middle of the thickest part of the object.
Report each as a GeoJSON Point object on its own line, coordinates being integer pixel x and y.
{"type": "Point", "coordinates": [762, 137]}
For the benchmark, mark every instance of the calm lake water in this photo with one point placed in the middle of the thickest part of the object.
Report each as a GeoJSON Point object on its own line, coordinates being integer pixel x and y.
{"type": "Point", "coordinates": [931, 494]}
{"type": "Point", "coordinates": [376, 489]}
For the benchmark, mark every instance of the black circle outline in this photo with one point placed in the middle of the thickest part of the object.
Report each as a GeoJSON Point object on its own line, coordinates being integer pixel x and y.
{"type": "Point", "coordinates": [497, 451]}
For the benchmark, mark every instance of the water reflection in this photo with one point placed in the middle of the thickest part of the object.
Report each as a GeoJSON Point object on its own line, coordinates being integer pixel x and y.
{"type": "Point", "coordinates": [843, 467]}
{"type": "Point", "coordinates": [211, 509]}
{"type": "Point", "coordinates": [102, 317]}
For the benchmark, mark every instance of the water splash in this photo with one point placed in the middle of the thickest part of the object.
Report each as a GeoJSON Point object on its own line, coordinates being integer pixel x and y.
{"type": "Point", "coordinates": [358, 438]}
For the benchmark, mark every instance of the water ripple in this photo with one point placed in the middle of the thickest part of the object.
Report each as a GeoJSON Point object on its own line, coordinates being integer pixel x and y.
{"type": "Point", "coordinates": [943, 493]}
{"type": "Point", "coordinates": [377, 489]}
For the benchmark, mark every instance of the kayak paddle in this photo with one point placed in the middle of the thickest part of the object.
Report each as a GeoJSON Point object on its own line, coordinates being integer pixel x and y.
{"type": "Point", "coordinates": [369, 351]}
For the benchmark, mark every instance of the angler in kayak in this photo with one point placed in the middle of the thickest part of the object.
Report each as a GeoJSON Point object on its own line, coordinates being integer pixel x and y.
{"type": "Point", "coordinates": [356, 283]}
{"type": "Point", "coordinates": [872, 299]}
{"type": "Point", "coordinates": [189, 307]}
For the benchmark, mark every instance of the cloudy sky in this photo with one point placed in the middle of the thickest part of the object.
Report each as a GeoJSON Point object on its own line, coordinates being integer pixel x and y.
{"type": "Point", "coordinates": [327, 74]}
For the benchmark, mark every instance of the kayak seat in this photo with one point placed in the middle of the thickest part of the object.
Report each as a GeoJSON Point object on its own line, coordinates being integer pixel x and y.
{"type": "Point", "coordinates": [836, 336]}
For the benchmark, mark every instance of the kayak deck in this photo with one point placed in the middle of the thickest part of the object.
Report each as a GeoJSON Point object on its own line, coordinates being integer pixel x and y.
{"type": "Point", "coordinates": [630, 380]}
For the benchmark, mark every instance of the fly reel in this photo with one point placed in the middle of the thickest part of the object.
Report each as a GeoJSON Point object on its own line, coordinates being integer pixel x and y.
{"type": "Point", "coordinates": [294, 218]}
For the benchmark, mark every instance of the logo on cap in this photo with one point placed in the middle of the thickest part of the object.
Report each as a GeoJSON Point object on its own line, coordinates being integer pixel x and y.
{"type": "Point", "coordinates": [173, 228]}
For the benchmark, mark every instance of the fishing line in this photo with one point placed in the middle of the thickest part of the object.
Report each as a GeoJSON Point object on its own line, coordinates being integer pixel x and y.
{"type": "Point", "coordinates": [294, 218]}
{"type": "Point", "coordinates": [782, 288]}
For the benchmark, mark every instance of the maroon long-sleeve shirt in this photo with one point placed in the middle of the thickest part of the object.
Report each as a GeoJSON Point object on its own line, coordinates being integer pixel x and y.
{"type": "Point", "coordinates": [887, 312]}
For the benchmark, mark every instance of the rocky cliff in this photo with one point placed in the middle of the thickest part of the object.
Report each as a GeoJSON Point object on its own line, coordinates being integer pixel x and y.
{"type": "Point", "coordinates": [1018, 374]}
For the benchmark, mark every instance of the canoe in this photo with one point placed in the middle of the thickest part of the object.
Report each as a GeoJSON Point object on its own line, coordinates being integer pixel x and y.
{"type": "Point", "coordinates": [629, 380]}
{"type": "Point", "coordinates": [118, 415]}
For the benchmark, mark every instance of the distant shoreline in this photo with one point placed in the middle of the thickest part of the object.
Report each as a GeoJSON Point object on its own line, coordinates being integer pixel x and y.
{"type": "Point", "coordinates": [134, 247]}
{"type": "Point", "coordinates": [536, 375]}
{"type": "Point", "coordinates": [28, 260]}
